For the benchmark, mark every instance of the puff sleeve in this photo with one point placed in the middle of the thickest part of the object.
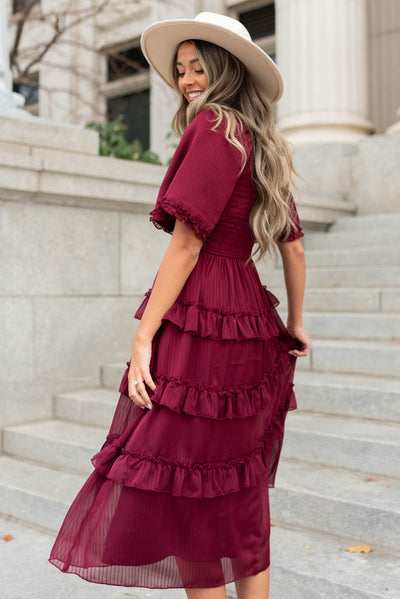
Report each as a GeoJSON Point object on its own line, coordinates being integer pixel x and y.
{"type": "Point", "coordinates": [200, 179]}
{"type": "Point", "coordinates": [295, 232]}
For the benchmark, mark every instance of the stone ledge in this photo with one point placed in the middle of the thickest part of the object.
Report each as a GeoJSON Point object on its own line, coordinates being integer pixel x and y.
{"type": "Point", "coordinates": [86, 181]}
{"type": "Point", "coordinates": [100, 166]}
{"type": "Point", "coordinates": [59, 177]}
{"type": "Point", "coordinates": [48, 134]}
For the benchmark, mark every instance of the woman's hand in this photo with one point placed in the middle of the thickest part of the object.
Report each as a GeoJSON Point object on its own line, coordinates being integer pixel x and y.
{"type": "Point", "coordinates": [139, 371]}
{"type": "Point", "coordinates": [302, 336]}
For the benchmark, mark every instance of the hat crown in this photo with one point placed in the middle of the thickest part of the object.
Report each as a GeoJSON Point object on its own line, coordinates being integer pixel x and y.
{"type": "Point", "coordinates": [228, 23]}
{"type": "Point", "coordinates": [160, 40]}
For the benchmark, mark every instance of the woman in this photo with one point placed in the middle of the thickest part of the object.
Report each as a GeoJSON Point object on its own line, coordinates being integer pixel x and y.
{"type": "Point", "coordinates": [179, 494]}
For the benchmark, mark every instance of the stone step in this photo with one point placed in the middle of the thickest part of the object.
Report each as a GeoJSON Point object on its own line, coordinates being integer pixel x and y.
{"type": "Point", "coordinates": [381, 255]}
{"type": "Point", "coordinates": [350, 239]}
{"type": "Point", "coordinates": [294, 478]}
{"type": "Point", "coordinates": [35, 493]}
{"type": "Point", "coordinates": [337, 276]}
{"type": "Point", "coordinates": [341, 394]}
{"type": "Point", "coordinates": [367, 222]}
{"type": "Point", "coordinates": [318, 566]}
{"type": "Point", "coordinates": [348, 395]}
{"type": "Point", "coordinates": [321, 210]}
{"type": "Point", "coordinates": [337, 501]}
{"type": "Point", "coordinates": [364, 256]}
{"type": "Point", "coordinates": [29, 552]}
{"type": "Point", "coordinates": [375, 358]}
{"type": "Point", "coordinates": [315, 564]}
{"type": "Point", "coordinates": [346, 299]}
{"type": "Point", "coordinates": [333, 325]}
{"type": "Point", "coordinates": [95, 406]}
{"type": "Point", "coordinates": [343, 442]}
{"type": "Point", "coordinates": [111, 374]}
{"type": "Point", "coordinates": [56, 443]}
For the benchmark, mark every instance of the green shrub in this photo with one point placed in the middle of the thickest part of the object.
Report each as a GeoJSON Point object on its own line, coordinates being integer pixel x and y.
{"type": "Point", "coordinates": [113, 142]}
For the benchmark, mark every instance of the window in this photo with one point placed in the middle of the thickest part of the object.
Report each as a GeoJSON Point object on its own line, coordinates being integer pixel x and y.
{"type": "Point", "coordinates": [135, 110]}
{"type": "Point", "coordinates": [127, 62]}
{"type": "Point", "coordinates": [260, 22]}
{"type": "Point", "coordinates": [30, 91]}
{"type": "Point", "coordinates": [20, 5]}
{"type": "Point", "coordinates": [128, 92]}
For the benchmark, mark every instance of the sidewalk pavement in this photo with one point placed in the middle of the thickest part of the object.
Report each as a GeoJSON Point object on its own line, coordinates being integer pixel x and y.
{"type": "Point", "coordinates": [25, 572]}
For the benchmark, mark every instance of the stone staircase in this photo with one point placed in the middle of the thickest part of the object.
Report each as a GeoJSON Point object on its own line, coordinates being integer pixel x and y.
{"type": "Point", "coordinates": [345, 431]}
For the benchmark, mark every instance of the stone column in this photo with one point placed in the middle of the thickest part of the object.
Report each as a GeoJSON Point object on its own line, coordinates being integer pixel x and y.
{"type": "Point", "coordinates": [322, 54]}
{"type": "Point", "coordinates": [10, 102]}
{"type": "Point", "coordinates": [396, 127]}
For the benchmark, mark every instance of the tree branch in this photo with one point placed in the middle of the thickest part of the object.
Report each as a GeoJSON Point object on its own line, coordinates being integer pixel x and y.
{"type": "Point", "coordinates": [59, 31]}
{"type": "Point", "coordinates": [20, 26]}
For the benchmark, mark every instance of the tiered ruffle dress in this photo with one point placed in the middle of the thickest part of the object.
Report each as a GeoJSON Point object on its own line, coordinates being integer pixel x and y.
{"type": "Point", "coordinates": [179, 494]}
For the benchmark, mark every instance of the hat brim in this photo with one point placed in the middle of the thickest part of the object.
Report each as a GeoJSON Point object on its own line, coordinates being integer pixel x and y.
{"type": "Point", "coordinates": [158, 42]}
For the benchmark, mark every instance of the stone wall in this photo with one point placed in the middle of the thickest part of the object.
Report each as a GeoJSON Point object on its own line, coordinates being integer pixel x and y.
{"type": "Point", "coordinates": [77, 254]}
{"type": "Point", "coordinates": [365, 174]}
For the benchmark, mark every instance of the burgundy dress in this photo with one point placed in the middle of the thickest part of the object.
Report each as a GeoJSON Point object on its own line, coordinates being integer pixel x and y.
{"type": "Point", "coordinates": [179, 493]}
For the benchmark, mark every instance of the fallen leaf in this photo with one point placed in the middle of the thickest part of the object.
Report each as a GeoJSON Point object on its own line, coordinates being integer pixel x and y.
{"type": "Point", "coordinates": [387, 484]}
{"type": "Point", "coordinates": [369, 479]}
{"type": "Point", "coordinates": [8, 538]}
{"type": "Point", "coordinates": [272, 524]}
{"type": "Point", "coordinates": [360, 549]}
{"type": "Point", "coordinates": [307, 547]}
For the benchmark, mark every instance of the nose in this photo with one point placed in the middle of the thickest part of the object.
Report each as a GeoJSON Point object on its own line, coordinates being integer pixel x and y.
{"type": "Point", "coordinates": [187, 79]}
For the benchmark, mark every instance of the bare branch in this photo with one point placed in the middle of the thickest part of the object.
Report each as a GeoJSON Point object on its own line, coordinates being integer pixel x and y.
{"type": "Point", "coordinates": [27, 80]}
{"type": "Point", "coordinates": [94, 107]}
{"type": "Point", "coordinates": [81, 44]}
{"type": "Point", "coordinates": [114, 56]}
{"type": "Point", "coordinates": [20, 27]}
{"type": "Point", "coordinates": [60, 30]}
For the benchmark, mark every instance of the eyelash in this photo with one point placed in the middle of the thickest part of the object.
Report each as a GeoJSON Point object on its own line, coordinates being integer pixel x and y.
{"type": "Point", "coordinates": [198, 71]}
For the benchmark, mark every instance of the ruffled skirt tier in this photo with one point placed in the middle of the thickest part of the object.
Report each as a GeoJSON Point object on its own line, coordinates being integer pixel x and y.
{"type": "Point", "coordinates": [179, 494]}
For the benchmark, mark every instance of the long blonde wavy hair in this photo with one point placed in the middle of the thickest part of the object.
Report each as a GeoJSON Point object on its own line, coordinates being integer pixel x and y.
{"type": "Point", "coordinates": [232, 92]}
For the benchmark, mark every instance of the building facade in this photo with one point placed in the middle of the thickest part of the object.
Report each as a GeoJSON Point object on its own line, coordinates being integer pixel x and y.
{"type": "Point", "coordinates": [339, 61]}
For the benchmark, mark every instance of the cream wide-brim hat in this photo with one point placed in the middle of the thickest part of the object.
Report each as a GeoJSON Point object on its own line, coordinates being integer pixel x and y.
{"type": "Point", "coordinates": [158, 42]}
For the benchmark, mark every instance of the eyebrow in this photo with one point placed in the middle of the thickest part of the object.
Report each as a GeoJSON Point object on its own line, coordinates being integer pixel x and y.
{"type": "Point", "coordinates": [190, 61]}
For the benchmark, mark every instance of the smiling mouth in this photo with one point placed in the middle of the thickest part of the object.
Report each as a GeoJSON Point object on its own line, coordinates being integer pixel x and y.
{"type": "Point", "coordinates": [193, 95]}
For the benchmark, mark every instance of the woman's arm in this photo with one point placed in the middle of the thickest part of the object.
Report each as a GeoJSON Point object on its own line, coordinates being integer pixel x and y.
{"type": "Point", "coordinates": [294, 268]}
{"type": "Point", "coordinates": [179, 260]}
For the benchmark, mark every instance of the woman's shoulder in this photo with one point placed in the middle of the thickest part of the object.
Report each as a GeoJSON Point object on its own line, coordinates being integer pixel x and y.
{"type": "Point", "coordinates": [203, 121]}
{"type": "Point", "coordinates": [206, 120]}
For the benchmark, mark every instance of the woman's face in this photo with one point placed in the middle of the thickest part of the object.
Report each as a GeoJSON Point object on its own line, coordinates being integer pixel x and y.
{"type": "Point", "coordinates": [192, 80]}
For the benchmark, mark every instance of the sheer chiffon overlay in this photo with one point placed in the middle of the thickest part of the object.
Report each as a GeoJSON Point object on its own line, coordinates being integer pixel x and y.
{"type": "Point", "coordinates": [179, 495]}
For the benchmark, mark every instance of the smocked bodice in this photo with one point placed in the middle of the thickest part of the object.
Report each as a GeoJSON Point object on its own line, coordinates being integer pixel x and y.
{"type": "Point", "coordinates": [232, 236]}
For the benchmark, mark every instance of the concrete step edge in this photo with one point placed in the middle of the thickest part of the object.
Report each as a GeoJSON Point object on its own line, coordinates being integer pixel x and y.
{"type": "Point", "coordinates": [357, 381]}
{"type": "Point", "coordinates": [357, 344]}
{"type": "Point", "coordinates": [300, 421]}
{"type": "Point", "coordinates": [310, 570]}
{"type": "Point", "coordinates": [38, 428]}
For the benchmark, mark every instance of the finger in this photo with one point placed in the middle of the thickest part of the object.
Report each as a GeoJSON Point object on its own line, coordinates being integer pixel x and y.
{"type": "Point", "coordinates": [149, 381]}
{"type": "Point", "coordinates": [297, 353]}
{"type": "Point", "coordinates": [143, 393]}
{"type": "Point", "coordinates": [303, 353]}
{"type": "Point", "coordinates": [134, 395]}
{"type": "Point", "coordinates": [137, 400]}
{"type": "Point", "coordinates": [147, 378]}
